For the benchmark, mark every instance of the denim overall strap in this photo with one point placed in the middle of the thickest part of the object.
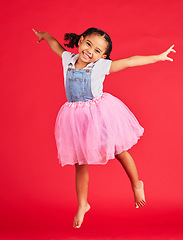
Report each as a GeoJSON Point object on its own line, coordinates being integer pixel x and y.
{"type": "Point", "coordinates": [78, 84]}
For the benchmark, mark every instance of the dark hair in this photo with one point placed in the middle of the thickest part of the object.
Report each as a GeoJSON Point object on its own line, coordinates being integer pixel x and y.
{"type": "Point", "coordinates": [73, 39]}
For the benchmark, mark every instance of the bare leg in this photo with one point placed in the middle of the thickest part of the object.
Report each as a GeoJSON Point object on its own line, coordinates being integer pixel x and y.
{"type": "Point", "coordinates": [82, 179]}
{"type": "Point", "coordinates": [137, 186]}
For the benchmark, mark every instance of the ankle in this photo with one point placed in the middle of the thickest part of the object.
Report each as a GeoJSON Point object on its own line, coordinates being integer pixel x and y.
{"type": "Point", "coordinates": [83, 205]}
{"type": "Point", "coordinates": [136, 184]}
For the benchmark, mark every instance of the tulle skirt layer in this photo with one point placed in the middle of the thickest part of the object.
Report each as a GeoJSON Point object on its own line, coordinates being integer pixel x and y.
{"type": "Point", "coordinates": [95, 131]}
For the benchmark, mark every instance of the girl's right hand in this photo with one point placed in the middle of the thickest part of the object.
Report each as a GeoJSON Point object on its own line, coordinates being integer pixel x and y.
{"type": "Point", "coordinates": [163, 56]}
{"type": "Point", "coordinates": [39, 34]}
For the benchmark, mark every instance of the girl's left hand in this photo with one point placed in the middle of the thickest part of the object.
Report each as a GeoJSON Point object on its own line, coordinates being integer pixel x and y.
{"type": "Point", "coordinates": [163, 56]}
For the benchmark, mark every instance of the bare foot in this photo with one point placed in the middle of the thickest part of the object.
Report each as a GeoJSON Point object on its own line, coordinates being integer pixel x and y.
{"type": "Point", "coordinates": [78, 219]}
{"type": "Point", "coordinates": [139, 194]}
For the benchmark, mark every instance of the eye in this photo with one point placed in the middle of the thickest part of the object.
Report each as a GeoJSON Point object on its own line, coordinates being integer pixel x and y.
{"type": "Point", "coordinates": [88, 44]}
{"type": "Point", "coordinates": [97, 51]}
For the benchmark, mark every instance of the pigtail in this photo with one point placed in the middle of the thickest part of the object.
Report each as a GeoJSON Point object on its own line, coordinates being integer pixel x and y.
{"type": "Point", "coordinates": [73, 39]}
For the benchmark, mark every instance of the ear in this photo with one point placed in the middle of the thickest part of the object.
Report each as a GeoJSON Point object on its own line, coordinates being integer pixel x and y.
{"type": "Point", "coordinates": [80, 40]}
{"type": "Point", "coordinates": [104, 56]}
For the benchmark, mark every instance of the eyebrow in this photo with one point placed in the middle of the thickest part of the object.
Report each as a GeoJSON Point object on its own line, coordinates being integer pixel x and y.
{"type": "Point", "coordinates": [92, 44]}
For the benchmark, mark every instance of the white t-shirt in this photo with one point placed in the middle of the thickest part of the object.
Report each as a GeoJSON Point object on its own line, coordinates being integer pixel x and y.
{"type": "Point", "coordinates": [101, 68]}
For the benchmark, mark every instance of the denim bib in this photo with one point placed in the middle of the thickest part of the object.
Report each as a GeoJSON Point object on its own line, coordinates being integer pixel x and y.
{"type": "Point", "coordinates": [78, 84]}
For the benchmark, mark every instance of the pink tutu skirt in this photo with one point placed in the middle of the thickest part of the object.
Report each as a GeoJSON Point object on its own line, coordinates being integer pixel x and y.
{"type": "Point", "coordinates": [95, 131]}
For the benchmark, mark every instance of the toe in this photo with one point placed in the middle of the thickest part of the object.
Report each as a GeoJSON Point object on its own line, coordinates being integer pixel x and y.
{"type": "Point", "coordinates": [78, 224]}
{"type": "Point", "coordinates": [136, 205]}
{"type": "Point", "coordinates": [142, 203]}
{"type": "Point", "coordinates": [75, 224]}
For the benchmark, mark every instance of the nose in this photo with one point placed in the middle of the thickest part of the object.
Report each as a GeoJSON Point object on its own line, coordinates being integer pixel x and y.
{"type": "Point", "coordinates": [90, 51]}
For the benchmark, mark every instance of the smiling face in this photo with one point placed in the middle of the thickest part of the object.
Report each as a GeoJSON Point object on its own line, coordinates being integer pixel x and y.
{"type": "Point", "coordinates": [92, 48]}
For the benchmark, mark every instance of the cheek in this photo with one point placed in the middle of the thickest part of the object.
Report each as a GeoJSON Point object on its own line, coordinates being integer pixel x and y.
{"type": "Point", "coordinates": [96, 58]}
{"type": "Point", "coordinates": [99, 55]}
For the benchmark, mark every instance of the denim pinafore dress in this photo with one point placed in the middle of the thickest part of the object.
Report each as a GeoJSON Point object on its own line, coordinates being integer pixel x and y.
{"type": "Point", "coordinates": [78, 84]}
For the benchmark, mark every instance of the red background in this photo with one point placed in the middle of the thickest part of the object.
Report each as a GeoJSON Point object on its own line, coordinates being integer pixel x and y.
{"type": "Point", "coordinates": [37, 195]}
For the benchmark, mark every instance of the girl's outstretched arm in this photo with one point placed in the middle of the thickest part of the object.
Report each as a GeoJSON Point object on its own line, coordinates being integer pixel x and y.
{"type": "Point", "coordinates": [52, 42]}
{"type": "Point", "coordinates": [140, 60]}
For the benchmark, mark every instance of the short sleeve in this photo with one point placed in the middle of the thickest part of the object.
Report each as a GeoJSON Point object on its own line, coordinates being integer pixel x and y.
{"type": "Point", "coordinates": [104, 66]}
{"type": "Point", "coordinates": [66, 57]}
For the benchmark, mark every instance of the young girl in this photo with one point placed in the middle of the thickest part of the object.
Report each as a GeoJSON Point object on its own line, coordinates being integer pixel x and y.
{"type": "Point", "coordinates": [94, 126]}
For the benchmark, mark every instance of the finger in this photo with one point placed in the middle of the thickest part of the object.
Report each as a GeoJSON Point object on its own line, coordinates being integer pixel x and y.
{"type": "Point", "coordinates": [172, 46]}
{"type": "Point", "coordinates": [170, 59]}
{"type": "Point", "coordinates": [173, 50]}
{"type": "Point", "coordinates": [34, 31]}
{"type": "Point", "coordinates": [169, 49]}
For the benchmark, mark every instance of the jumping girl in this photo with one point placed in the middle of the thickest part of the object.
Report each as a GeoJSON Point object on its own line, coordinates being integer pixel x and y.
{"type": "Point", "coordinates": [94, 126]}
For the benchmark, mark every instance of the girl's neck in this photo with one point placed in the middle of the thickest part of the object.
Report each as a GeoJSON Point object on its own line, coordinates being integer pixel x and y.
{"type": "Point", "coordinates": [79, 64]}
